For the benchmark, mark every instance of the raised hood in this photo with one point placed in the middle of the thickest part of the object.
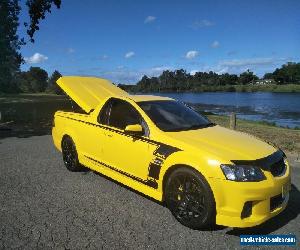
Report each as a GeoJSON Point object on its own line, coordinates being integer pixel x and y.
{"type": "Point", "coordinates": [88, 92]}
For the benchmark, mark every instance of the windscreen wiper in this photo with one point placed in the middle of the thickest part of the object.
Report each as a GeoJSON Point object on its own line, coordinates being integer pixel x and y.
{"type": "Point", "coordinates": [211, 124]}
{"type": "Point", "coordinates": [193, 127]}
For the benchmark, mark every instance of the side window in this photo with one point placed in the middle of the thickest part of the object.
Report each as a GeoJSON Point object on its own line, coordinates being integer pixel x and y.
{"type": "Point", "coordinates": [118, 113]}
{"type": "Point", "coordinates": [104, 113]}
{"type": "Point", "coordinates": [123, 114]}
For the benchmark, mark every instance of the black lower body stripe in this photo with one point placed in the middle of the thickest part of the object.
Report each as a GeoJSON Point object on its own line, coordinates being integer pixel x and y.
{"type": "Point", "coordinates": [150, 183]}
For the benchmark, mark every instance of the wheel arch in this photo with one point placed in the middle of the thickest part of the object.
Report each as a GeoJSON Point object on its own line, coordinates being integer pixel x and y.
{"type": "Point", "coordinates": [171, 169]}
{"type": "Point", "coordinates": [197, 162]}
{"type": "Point", "coordinates": [69, 133]}
{"type": "Point", "coordinates": [65, 136]}
{"type": "Point", "coordinates": [76, 166]}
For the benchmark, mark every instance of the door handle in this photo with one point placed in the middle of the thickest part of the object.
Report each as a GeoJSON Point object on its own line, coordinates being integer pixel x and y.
{"type": "Point", "coordinates": [109, 135]}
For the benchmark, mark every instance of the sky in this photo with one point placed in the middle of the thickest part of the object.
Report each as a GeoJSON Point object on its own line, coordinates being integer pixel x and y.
{"type": "Point", "coordinates": [124, 40]}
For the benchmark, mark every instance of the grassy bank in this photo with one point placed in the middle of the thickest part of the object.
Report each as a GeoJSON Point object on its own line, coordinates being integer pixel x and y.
{"type": "Point", "coordinates": [286, 139]}
{"type": "Point", "coordinates": [287, 88]}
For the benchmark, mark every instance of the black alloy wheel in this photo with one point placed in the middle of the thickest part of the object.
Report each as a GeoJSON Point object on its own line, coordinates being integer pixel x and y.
{"type": "Point", "coordinates": [70, 156]}
{"type": "Point", "coordinates": [190, 199]}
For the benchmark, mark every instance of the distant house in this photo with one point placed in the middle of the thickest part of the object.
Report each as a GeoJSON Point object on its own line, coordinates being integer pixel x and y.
{"type": "Point", "coordinates": [263, 82]}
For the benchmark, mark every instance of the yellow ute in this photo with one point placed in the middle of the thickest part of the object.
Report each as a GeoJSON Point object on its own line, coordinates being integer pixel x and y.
{"type": "Point", "coordinates": [204, 173]}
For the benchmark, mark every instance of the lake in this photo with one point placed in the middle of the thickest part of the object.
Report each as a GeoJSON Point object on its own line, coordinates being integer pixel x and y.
{"type": "Point", "coordinates": [280, 108]}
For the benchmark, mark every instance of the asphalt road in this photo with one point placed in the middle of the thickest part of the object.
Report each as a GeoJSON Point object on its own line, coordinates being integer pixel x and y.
{"type": "Point", "coordinates": [45, 206]}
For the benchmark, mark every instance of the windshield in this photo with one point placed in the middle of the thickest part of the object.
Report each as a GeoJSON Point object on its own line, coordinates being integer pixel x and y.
{"type": "Point", "coordinates": [174, 116]}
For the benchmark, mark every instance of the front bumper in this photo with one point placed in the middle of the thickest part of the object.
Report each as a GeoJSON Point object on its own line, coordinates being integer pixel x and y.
{"type": "Point", "coordinates": [265, 199]}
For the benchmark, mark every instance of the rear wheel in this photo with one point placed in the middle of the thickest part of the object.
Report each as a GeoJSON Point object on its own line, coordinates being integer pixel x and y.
{"type": "Point", "coordinates": [70, 155]}
{"type": "Point", "coordinates": [190, 199]}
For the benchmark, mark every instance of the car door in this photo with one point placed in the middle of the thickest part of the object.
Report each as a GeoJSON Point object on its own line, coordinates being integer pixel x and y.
{"type": "Point", "coordinates": [128, 154]}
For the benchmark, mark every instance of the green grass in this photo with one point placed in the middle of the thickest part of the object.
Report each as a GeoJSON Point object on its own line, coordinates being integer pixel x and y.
{"type": "Point", "coordinates": [288, 88]}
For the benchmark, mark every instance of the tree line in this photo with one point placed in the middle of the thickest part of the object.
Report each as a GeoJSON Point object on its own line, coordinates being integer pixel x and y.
{"type": "Point", "coordinates": [11, 78]}
{"type": "Point", "coordinates": [36, 80]}
{"type": "Point", "coordinates": [180, 80]}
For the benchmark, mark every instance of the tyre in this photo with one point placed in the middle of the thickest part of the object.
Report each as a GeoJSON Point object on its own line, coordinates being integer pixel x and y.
{"type": "Point", "coordinates": [70, 156]}
{"type": "Point", "coordinates": [190, 199]}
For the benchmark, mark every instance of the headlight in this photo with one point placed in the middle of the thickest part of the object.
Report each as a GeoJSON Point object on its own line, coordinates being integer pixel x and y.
{"type": "Point", "coordinates": [242, 173]}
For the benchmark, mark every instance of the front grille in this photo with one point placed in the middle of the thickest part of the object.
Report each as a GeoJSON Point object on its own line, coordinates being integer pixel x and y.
{"type": "Point", "coordinates": [278, 168]}
{"type": "Point", "coordinates": [275, 202]}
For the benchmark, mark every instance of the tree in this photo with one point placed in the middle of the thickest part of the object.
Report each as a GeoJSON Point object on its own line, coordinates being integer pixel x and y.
{"type": "Point", "coordinates": [247, 77]}
{"type": "Point", "coordinates": [288, 73]}
{"type": "Point", "coordinates": [10, 58]}
{"type": "Point", "coordinates": [180, 78]}
{"type": "Point", "coordinates": [227, 79]}
{"type": "Point", "coordinates": [144, 83]}
{"type": "Point", "coordinates": [52, 85]}
{"type": "Point", "coordinates": [36, 79]}
{"type": "Point", "coordinates": [37, 10]}
{"type": "Point", "coordinates": [10, 43]}
{"type": "Point", "coordinates": [268, 76]}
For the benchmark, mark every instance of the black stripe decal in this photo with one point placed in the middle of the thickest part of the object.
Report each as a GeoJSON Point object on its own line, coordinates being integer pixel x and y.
{"type": "Point", "coordinates": [150, 183]}
{"type": "Point", "coordinates": [154, 170]}
{"type": "Point", "coordinates": [162, 152]}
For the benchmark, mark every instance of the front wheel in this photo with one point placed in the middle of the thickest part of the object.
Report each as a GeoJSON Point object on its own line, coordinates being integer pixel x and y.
{"type": "Point", "coordinates": [190, 199]}
{"type": "Point", "coordinates": [70, 156]}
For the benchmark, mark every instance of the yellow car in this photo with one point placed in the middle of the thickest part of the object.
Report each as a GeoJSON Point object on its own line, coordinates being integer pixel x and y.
{"type": "Point", "coordinates": [204, 173]}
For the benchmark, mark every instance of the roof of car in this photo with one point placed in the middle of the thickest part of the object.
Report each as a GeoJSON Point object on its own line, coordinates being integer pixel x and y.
{"type": "Point", "coordinates": [142, 98]}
